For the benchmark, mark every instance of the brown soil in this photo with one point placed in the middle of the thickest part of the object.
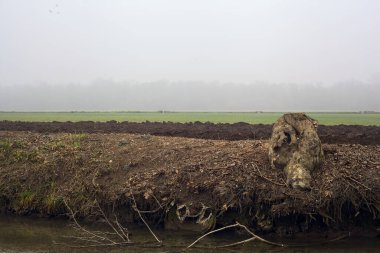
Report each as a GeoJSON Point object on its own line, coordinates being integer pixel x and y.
{"type": "Point", "coordinates": [352, 134]}
{"type": "Point", "coordinates": [233, 178]}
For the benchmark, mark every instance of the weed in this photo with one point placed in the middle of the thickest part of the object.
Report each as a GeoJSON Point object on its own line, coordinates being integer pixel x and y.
{"type": "Point", "coordinates": [5, 147]}
{"type": "Point", "coordinates": [33, 156]}
{"type": "Point", "coordinates": [56, 145]}
{"type": "Point", "coordinates": [53, 202]}
{"type": "Point", "coordinates": [20, 155]}
{"type": "Point", "coordinates": [18, 144]}
{"type": "Point", "coordinates": [76, 139]}
{"type": "Point", "coordinates": [27, 199]}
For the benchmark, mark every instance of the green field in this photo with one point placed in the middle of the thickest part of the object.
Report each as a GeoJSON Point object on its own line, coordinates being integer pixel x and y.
{"type": "Point", "coordinates": [215, 117]}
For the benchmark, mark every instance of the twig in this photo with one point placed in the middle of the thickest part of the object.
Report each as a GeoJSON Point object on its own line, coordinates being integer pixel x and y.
{"type": "Point", "coordinates": [365, 200]}
{"type": "Point", "coordinates": [160, 206]}
{"type": "Point", "coordinates": [138, 212]}
{"type": "Point", "coordinates": [262, 176]}
{"type": "Point", "coordinates": [158, 202]}
{"type": "Point", "coordinates": [85, 230]}
{"type": "Point", "coordinates": [212, 232]}
{"type": "Point", "coordinates": [256, 237]}
{"type": "Point", "coordinates": [236, 243]}
{"type": "Point", "coordinates": [237, 224]}
{"type": "Point", "coordinates": [122, 229]}
{"type": "Point", "coordinates": [356, 181]}
{"type": "Point", "coordinates": [260, 238]}
{"type": "Point", "coordinates": [109, 223]}
{"type": "Point", "coordinates": [151, 211]}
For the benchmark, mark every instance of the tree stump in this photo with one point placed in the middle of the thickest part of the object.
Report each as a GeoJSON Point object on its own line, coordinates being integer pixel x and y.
{"type": "Point", "coordinates": [296, 148]}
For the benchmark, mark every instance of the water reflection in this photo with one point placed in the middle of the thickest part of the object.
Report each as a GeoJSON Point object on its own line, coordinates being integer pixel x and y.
{"type": "Point", "coordinates": [22, 235]}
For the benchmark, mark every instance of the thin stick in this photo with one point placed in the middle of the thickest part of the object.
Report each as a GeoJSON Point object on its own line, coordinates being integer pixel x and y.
{"type": "Point", "coordinates": [122, 229]}
{"type": "Point", "coordinates": [262, 176]}
{"type": "Point", "coordinates": [260, 238]}
{"type": "Point", "coordinates": [356, 181]}
{"type": "Point", "coordinates": [158, 202]}
{"type": "Point", "coordinates": [237, 224]}
{"type": "Point", "coordinates": [138, 212]}
{"type": "Point", "coordinates": [109, 223]}
{"type": "Point", "coordinates": [85, 230]}
{"type": "Point", "coordinates": [151, 211]}
{"type": "Point", "coordinates": [211, 232]}
{"type": "Point", "coordinates": [236, 243]}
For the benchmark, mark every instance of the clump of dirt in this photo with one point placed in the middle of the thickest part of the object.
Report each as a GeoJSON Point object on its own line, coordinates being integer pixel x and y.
{"type": "Point", "coordinates": [229, 180]}
{"type": "Point", "coordinates": [295, 147]}
{"type": "Point", "coordinates": [365, 135]}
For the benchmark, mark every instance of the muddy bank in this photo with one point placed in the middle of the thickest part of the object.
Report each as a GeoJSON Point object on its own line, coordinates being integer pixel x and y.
{"type": "Point", "coordinates": [364, 135]}
{"type": "Point", "coordinates": [176, 179]}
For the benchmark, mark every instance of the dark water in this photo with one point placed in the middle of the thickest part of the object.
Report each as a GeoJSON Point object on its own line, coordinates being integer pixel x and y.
{"type": "Point", "coordinates": [21, 235]}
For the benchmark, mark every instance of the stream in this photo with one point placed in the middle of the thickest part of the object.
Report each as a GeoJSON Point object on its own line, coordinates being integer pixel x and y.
{"type": "Point", "coordinates": [32, 235]}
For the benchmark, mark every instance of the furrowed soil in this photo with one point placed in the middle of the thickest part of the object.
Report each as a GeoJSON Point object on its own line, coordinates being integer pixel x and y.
{"type": "Point", "coordinates": [350, 134]}
{"type": "Point", "coordinates": [230, 179]}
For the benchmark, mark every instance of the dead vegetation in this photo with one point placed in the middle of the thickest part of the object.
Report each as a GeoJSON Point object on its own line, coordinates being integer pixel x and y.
{"type": "Point", "coordinates": [119, 236]}
{"type": "Point", "coordinates": [187, 183]}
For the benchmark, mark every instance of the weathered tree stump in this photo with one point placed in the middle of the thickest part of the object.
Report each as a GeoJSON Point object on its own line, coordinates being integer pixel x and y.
{"type": "Point", "coordinates": [296, 148]}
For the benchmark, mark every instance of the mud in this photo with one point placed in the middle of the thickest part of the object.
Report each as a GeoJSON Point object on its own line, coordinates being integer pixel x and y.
{"type": "Point", "coordinates": [365, 135]}
{"type": "Point", "coordinates": [231, 180]}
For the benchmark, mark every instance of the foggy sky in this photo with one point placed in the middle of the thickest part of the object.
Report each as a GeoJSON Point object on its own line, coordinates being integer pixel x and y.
{"type": "Point", "coordinates": [191, 96]}
{"type": "Point", "coordinates": [55, 51]}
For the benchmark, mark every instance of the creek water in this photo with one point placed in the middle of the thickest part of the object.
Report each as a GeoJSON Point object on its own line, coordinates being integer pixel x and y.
{"type": "Point", "coordinates": [28, 235]}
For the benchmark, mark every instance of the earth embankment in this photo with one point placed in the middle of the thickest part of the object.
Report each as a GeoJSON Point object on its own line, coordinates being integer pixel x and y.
{"type": "Point", "coordinates": [232, 180]}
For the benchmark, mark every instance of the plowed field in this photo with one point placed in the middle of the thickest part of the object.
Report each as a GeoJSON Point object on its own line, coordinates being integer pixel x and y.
{"type": "Point", "coordinates": [349, 134]}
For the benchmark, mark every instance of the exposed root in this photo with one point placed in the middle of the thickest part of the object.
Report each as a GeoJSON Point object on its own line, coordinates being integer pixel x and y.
{"type": "Point", "coordinates": [134, 206]}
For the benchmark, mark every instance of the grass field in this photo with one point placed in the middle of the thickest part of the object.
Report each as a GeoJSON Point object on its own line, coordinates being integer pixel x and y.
{"type": "Point", "coordinates": [215, 117]}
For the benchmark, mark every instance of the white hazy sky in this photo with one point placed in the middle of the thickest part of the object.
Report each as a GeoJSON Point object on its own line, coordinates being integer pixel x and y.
{"type": "Point", "coordinates": [282, 41]}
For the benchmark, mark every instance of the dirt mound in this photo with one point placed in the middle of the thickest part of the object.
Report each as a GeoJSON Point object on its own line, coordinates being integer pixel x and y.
{"type": "Point", "coordinates": [231, 179]}
{"type": "Point", "coordinates": [365, 135]}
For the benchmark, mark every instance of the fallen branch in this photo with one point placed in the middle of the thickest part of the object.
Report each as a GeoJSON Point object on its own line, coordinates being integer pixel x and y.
{"type": "Point", "coordinates": [102, 238]}
{"type": "Point", "coordinates": [260, 238]}
{"type": "Point", "coordinates": [110, 224]}
{"type": "Point", "coordinates": [237, 224]}
{"type": "Point", "coordinates": [256, 237]}
{"type": "Point", "coordinates": [211, 232]}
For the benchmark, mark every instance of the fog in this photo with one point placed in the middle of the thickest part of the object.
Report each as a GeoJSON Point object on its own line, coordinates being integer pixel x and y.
{"type": "Point", "coordinates": [214, 55]}
{"type": "Point", "coordinates": [190, 96]}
